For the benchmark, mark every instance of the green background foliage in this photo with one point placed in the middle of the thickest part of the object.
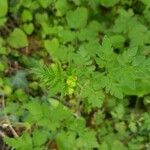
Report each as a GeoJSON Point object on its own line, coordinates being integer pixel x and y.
{"type": "Point", "coordinates": [75, 74]}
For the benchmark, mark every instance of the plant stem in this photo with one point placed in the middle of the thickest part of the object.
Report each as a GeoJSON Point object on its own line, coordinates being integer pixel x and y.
{"type": "Point", "coordinates": [7, 120]}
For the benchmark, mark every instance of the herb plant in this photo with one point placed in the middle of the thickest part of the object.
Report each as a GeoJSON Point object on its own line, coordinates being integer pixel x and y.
{"type": "Point", "coordinates": [75, 74]}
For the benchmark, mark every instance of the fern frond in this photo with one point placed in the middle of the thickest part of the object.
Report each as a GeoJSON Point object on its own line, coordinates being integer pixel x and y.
{"type": "Point", "coordinates": [52, 77]}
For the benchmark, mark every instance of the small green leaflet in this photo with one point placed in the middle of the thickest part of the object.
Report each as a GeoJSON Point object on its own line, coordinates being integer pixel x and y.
{"type": "Point", "coordinates": [26, 16]}
{"type": "Point", "coordinates": [39, 137]}
{"type": "Point", "coordinates": [45, 3]}
{"type": "Point", "coordinates": [106, 54]}
{"type": "Point", "coordinates": [77, 19]}
{"type": "Point", "coordinates": [61, 7]}
{"type": "Point", "coordinates": [94, 97]}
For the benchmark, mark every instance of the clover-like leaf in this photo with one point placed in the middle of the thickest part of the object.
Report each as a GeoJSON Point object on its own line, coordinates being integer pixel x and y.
{"type": "Point", "coordinates": [78, 18]}
{"type": "Point", "coordinates": [17, 39]}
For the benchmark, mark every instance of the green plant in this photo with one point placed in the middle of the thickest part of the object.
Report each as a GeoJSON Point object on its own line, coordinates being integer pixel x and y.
{"type": "Point", "coordinates": [75, 74]}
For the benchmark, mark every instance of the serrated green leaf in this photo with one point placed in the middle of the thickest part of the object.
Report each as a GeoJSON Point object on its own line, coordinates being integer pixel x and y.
{"type": "Point", "coordinates": [39, 137]}
{"type": "Point", "coordinates": [61, 7]}
{"type": "Point", "coordinates": [21, 143]}
{"type": "Point", "coordinates": [95, 98]}
{"type": "Point", "coordinates": [77, 19]}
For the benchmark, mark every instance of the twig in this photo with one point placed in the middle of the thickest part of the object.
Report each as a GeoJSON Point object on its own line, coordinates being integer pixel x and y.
{"type": "Point", "coordinates": [7, 119]}
{"type": "Point", "coordinates": [2, 134]}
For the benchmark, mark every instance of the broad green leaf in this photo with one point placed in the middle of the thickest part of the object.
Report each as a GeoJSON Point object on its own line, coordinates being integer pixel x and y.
{"type": "Point", "coordinates": [117, 144]}
{"type": "Point", "coordinates": [17, 39]}
{"type": "Point", "coordinates": [51, 46]}
{"type": "Point", "coordinates": [104, 146]}
{"type": "Point", "coordinates": [39, 137]}
{"type": "Point", "coordinates": [67, 36]}
{"type": "Point", "coordinates": [41, 18]}
{"type": "Point", "coordinates": [3, 8]}
{"type": "Point", "coordinates": [70, 137]}
{"type": "Point", "coordinates": [136, 33]}
{"type": "Point", "coordinates": [117, 41]}
{"type": "Point", "coordinates": [19, 80]}
{"type": "Point", "coordinates": [61, 7]}
{"type": "Point", "coordinates": [87, 136]}
{"type": "Point", "coordinates": [26, 16]}
{"type": "Point", "coordinates": [28, 28]}
{"type": "Point", "coordinates": [21, 143]}
{"type": "Point", "coordinates": [146, 2]}
{"type": "Point", "coordinates": [125, 21]}
{"type": "Point", "coordinates": [37, 112]}
{"type": "Point", "coordinates": [54, 102]}
{"type": "Point", "coordinates": [77, 19]}
{"type": "Point", "coordinates": [87, 34]}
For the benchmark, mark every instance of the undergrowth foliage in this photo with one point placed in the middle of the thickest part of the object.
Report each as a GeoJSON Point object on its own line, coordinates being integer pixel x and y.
{"type": "Point", "coordinates": [75, 74]}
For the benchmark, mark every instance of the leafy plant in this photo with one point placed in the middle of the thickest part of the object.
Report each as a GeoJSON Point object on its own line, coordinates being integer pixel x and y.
{"type": "Point", "coordinates": [4, 8]}
{"type": "Point", "coordinates": [17, 39]}
{"type": "Point", "coordinates": [75, 74]}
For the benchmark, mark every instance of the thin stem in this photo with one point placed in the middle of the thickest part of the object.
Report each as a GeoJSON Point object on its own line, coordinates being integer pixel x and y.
{"type": "Point", "coordinates": [2, 134]}
{"type": "Point", "coordinates": [7, 119]}
{"type": "Point", "coordinates": [137, 103]}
